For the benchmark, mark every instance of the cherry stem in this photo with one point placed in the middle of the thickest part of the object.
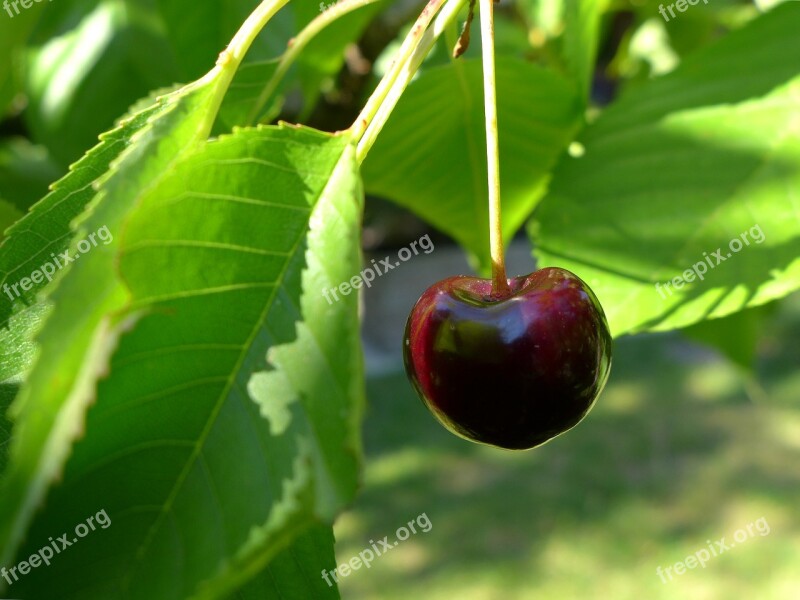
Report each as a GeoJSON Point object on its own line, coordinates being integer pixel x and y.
{"type": "Point", "coordinates": [231, 58]}
{"type": "Point", "coordinates": [412, 53]}
{"type": "Point", "coordinates": [499, 279]}
{"type": "Point", "coordinates": [402, 57]}
{"type": "Point", "coordinates": [296, 46]}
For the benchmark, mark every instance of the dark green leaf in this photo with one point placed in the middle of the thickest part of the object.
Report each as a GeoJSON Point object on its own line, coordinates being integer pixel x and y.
{"type": "Point", "coordinates": [297, 571]}
{"type": "Point", "coordinates": [26, 171]}
{"type": "Point", "coordinates": [79, 81]}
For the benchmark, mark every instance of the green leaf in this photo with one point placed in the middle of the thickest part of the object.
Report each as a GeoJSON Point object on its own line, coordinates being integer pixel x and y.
{"type": "Point", "coordinates": [196, 31]}
{"type": "Point", "coordinates": [22, 311]}
{"type": "Point", "coordinates": [80, 332]}
{"type": "Point", "coordinates": [273, 449]}
{"type": "Point", "coordinates": [297, 571]}
{"type": "Point", "coordinates": [431, 155]}
{"type": "Point", "coordinates": [9, 214]}
{"type": "Point", "coordinates": [680, 167]}
{"type": "Point", "coordinates": [7, 393]}
{"type": "Point", "coordinates": [581, 37]}
{"type": "Point", "coordinates": [76, 340]}
{"type": "Point", "coordinates": [246, 88]}
{"type": "Point", "coordinates": [23, 252]}
{"type": "Point", "coordinates": [26, 171]}
{"type": "Point", "coordinates": [15, 28]}
{"type": "Point", "coordinates": [310, 76]}
{"type": "Point", "coordinates": [81, 79]}
{"type": "Point", "coordinates": [236, 398]}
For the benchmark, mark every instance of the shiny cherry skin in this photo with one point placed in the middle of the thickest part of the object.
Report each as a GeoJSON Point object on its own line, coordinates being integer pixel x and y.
{"type": "Point", "coordinates": [511, 371]}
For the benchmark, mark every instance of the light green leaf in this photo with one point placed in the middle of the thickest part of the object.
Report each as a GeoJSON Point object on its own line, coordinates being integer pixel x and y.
{"type": "Point", "coordinates": [24, 252]}
{"type": "Point", "coordinates": [690, 163]}
{"type": "Point", "coordinates": [545, 17]}
{"type": "Point", "coordinates": [581, 38]}
{"type": "Point", "coordinates": [431, 155]}
{"type": "Point", "coordinates": [75, 344]}
{"type": "Point", "coordinates": [226, 261]}
{"type": "Point", "coordinates": [82, 330]}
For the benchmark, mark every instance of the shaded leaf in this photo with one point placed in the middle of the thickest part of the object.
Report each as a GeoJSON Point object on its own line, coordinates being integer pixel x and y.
{"type": "Point", "coordinates": [311, 75]}
{"type": "Point", "coordinates": [431, 155]}
{"type": "Point", "coordinates": [15, 30]}
{"type": "Point", "coordinates": [8, 216]}
{"type": "Point", "coordinates": [26, 171]}
{"type": "Point", "coordinates": [88, 73]}
{"type": "Point", "coordinates": [297, 571]}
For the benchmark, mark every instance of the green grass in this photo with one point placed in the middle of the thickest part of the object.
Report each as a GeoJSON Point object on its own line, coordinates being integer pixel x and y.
{"type": "Point", "coordinates": [675, 453]}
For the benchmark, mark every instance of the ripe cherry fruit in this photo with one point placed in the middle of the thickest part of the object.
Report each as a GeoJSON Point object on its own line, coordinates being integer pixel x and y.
{"type": "Point", "coordinates": [512, 370]}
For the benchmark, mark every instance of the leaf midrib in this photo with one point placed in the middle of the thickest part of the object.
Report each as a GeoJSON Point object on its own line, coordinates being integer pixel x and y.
{"type": "Point", "coordinates": [260, 323]}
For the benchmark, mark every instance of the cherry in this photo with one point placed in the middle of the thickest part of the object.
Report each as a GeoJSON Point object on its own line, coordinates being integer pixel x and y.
{"type": "Point", "coordinates": [511, 370]}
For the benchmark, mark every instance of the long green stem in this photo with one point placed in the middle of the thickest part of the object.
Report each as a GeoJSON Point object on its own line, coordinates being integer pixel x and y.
{"type": "Point", "coordinates": [407, 49]}
{"type": "Point", "coordinates": [499, 280]}
{"type": "Point", "coordinates": [382, 102]}
{"type": "Point", "coordinates": [231, 58]}
{"type": "Point", "coordinates": [298, 44]}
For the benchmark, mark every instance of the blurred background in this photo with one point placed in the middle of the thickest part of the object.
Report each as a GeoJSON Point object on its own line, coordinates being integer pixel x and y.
{"type": "Point", "coordinates": [685, 445]}
{"type": "Point", "coordinates": [696, 436]}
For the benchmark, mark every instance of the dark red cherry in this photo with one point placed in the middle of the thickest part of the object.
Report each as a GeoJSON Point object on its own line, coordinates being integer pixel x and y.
{"type": "Point", "coordinates": [511, 371]}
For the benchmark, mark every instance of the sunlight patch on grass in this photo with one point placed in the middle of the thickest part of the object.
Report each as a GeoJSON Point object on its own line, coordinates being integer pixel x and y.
{"type": "Point", "coordinates": [785, 427]}
{"type": "Point", "coordinates": [622, 398]}
{"type": "Point", "coordinates": [713, 381]}
{"type": "Point", "coordinates": [391, 468]}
